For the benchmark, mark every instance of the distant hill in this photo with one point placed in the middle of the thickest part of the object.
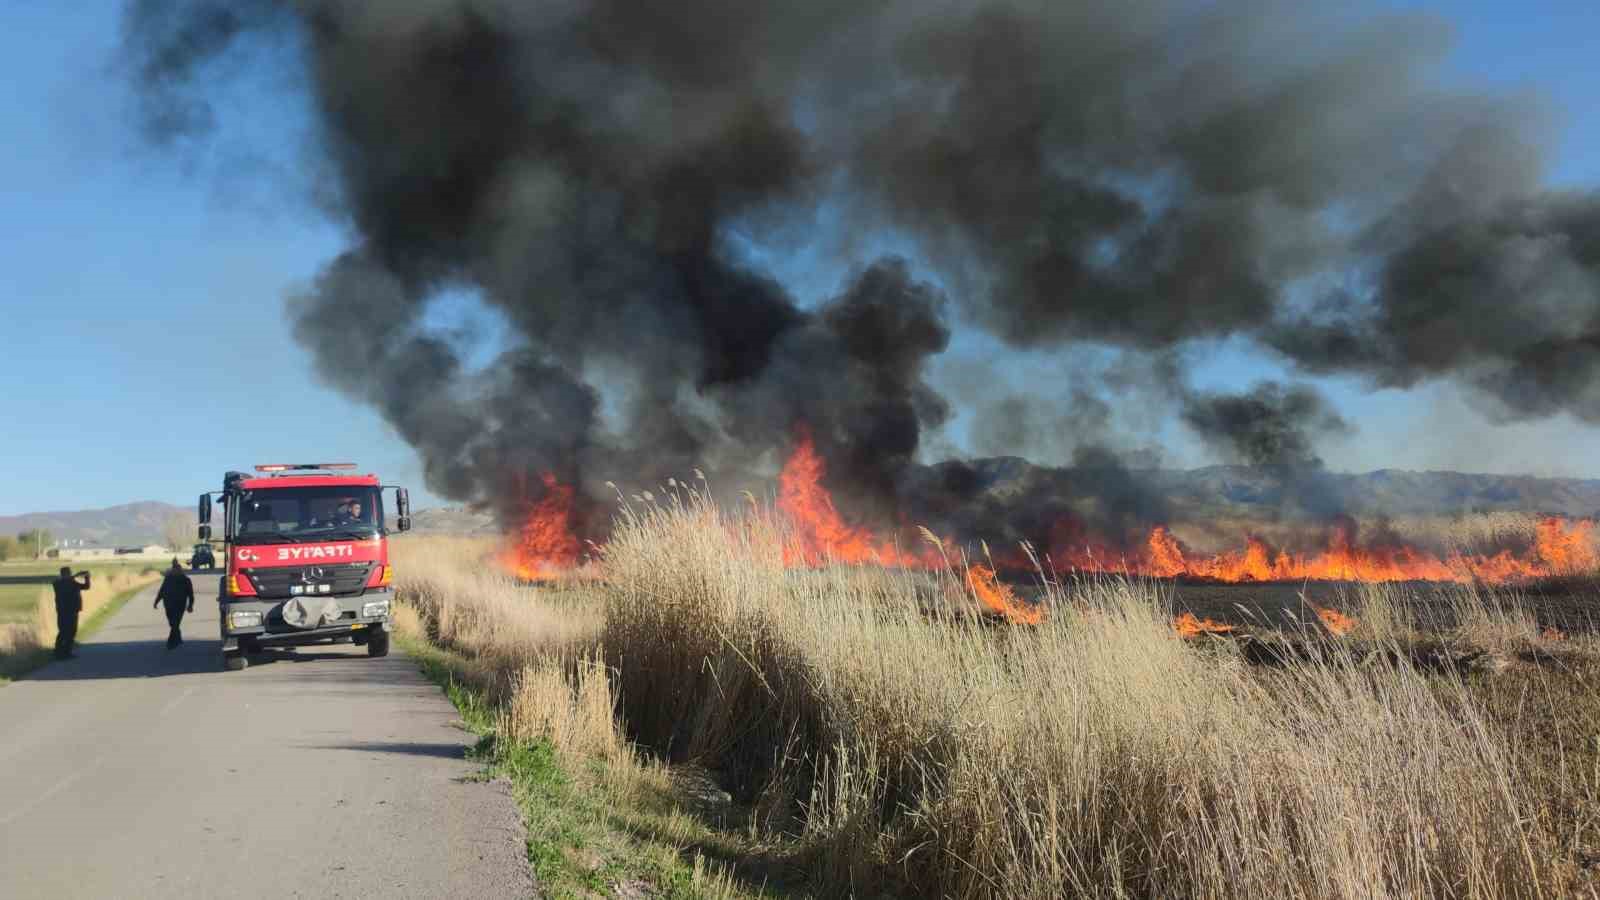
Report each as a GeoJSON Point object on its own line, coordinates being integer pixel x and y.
{"type": "Point", "coordinates": [126, 525]}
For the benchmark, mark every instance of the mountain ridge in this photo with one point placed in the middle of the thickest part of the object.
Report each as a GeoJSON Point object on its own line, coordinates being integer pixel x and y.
{"type": "Point", "coordinates": [125, 524]}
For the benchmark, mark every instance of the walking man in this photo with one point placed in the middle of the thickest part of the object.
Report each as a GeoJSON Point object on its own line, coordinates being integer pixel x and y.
{"type": "Point", "coordinates": [69, 602]}
{"type": "Point", "coordinates": [177, 594]}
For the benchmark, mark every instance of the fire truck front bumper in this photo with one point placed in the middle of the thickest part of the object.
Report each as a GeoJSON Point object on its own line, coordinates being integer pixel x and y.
{"type": "Point", "coordinates": [261, 623]}
{"type": "Point", "coordinates": [356, 630]}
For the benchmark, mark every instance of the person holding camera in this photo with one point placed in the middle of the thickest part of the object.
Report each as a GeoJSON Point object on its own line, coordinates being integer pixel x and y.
{"type": "Point", "coordinates": [69, 602]}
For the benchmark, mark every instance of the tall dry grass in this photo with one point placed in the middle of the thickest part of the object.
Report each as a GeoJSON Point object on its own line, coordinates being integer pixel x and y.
{"type": "Point", "coordinates": [17, 638]}
{"type": "Point", "coordinates": [465, 601]}
{"type": "Point", "coordinates": [528, 647]}
{"type": "Point", "coordinates": [894, 744]}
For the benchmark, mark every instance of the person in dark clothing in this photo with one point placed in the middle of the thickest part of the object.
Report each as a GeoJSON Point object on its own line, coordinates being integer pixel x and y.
{"type": "Point", "coordinates": [69, 602]}
{"type": "Point", "coordinates": [177, 594]}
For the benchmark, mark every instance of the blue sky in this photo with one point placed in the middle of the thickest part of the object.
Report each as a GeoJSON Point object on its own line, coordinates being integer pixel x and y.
{"type": "Point", "coordinates": [146, 349]}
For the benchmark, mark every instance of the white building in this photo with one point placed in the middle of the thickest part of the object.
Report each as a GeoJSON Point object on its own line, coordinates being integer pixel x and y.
{"type": "Point", "coordinates": [81, 551]}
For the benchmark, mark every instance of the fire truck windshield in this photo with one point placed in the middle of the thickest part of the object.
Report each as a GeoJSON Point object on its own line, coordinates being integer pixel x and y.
{"type": "Point", "coordinates": [279, 515]}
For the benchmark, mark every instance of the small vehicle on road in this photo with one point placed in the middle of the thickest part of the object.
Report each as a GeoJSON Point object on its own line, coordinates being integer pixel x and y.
{"type": "Point", "coordinates": [306, 556]}
{"type": "Point", "coordinates": [202, 556]}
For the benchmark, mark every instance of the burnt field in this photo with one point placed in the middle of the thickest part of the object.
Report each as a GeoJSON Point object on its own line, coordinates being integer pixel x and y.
{"type": "Point", "coordinates": [1571, 605]}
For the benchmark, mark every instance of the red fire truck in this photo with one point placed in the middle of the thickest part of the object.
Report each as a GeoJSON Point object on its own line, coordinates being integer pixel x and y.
{"type": "Point", "coordinates": [306, 553]}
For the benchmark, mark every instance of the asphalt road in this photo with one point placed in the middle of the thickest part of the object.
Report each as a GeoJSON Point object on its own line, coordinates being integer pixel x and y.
{"type": "Point", "coordinates": [134, 771]}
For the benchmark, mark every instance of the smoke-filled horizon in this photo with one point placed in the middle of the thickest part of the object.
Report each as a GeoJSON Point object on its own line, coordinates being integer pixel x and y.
{"type": "Point", "coordinates": [1139, 177]}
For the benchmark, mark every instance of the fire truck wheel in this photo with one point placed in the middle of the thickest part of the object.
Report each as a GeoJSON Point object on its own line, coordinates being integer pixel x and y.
{"type": "Point", "coordinates": [378, 644]}
{"type": "Point", "coordinates": [233, 662]}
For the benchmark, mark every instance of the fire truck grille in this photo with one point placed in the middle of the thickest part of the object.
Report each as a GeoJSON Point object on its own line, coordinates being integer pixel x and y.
{"type": "Point", "coordinates": [341, 578]}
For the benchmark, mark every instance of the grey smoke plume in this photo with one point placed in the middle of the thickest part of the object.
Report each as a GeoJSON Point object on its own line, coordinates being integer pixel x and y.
{"type": "Point", "coordinates": [1275, 428]}
{"type": "Point", "coordinates": [1140, 174]}
{"type": "Point", "coordinates": [1270, 425]}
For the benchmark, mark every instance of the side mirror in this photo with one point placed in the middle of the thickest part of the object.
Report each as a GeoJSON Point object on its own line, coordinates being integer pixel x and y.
{"type": "Point", "coordinates": [403, 523]}
{"type": "Point", "coordinates": [205, 508]}
{"type": "Point", "coordinates": [402, 503]}
{"type": "Point", "coordinates": [205, 532]}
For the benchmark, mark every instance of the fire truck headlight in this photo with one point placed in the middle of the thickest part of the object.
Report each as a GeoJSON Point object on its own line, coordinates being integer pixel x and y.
{"type": "Point", "coordinates": [374, 609]}
{"type": "Point", "coordinates": [244, 619]}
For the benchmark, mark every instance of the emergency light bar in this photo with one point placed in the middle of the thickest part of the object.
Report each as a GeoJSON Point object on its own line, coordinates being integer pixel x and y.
{"type": "Point", "coordinates": [302, 467]}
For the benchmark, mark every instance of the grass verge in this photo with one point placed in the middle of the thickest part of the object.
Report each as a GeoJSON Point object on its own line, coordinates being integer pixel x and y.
{"type": "Point", "coordinates": [594, 829]}
{"type": "Point", "coordinates": [26, 658]}
{"type": "Point", "coordinates": [17, 602]}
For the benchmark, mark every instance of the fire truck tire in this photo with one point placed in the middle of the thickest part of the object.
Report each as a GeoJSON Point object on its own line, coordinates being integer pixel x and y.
{"type": "Point", "coordinates": [378, 644]}
{"type": "Point", "coordinates": [233, 662]}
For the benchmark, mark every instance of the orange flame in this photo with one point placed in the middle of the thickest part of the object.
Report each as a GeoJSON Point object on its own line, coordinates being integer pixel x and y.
{"type": "Point", "coordinates": [1188, 626]}
{"type": "Point", "coordinates": [1337, 623]}
{"type": "Point", "coordinates": [1565, 550]}
{"type": "Point", "coordinates": [1166, 557]}
{"type": "Point", "coordinates": [999, 597]}
{"type": "Point", "coordinates": [821, 534]}
{"type": "Point", "coordinates": [545, 543]}
{"type": "Point", "coordinates": [1560, 548]}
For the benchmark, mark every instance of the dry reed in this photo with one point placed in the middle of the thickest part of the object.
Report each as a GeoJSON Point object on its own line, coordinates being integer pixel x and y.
{"type": "Point", "coordinates": [895, 743]}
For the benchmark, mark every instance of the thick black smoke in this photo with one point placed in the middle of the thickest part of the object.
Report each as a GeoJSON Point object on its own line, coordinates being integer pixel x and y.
{"type": "Point", "coordinates": [1140, 174]}
{"type": "Point", "coordinates": [1008, 501]}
